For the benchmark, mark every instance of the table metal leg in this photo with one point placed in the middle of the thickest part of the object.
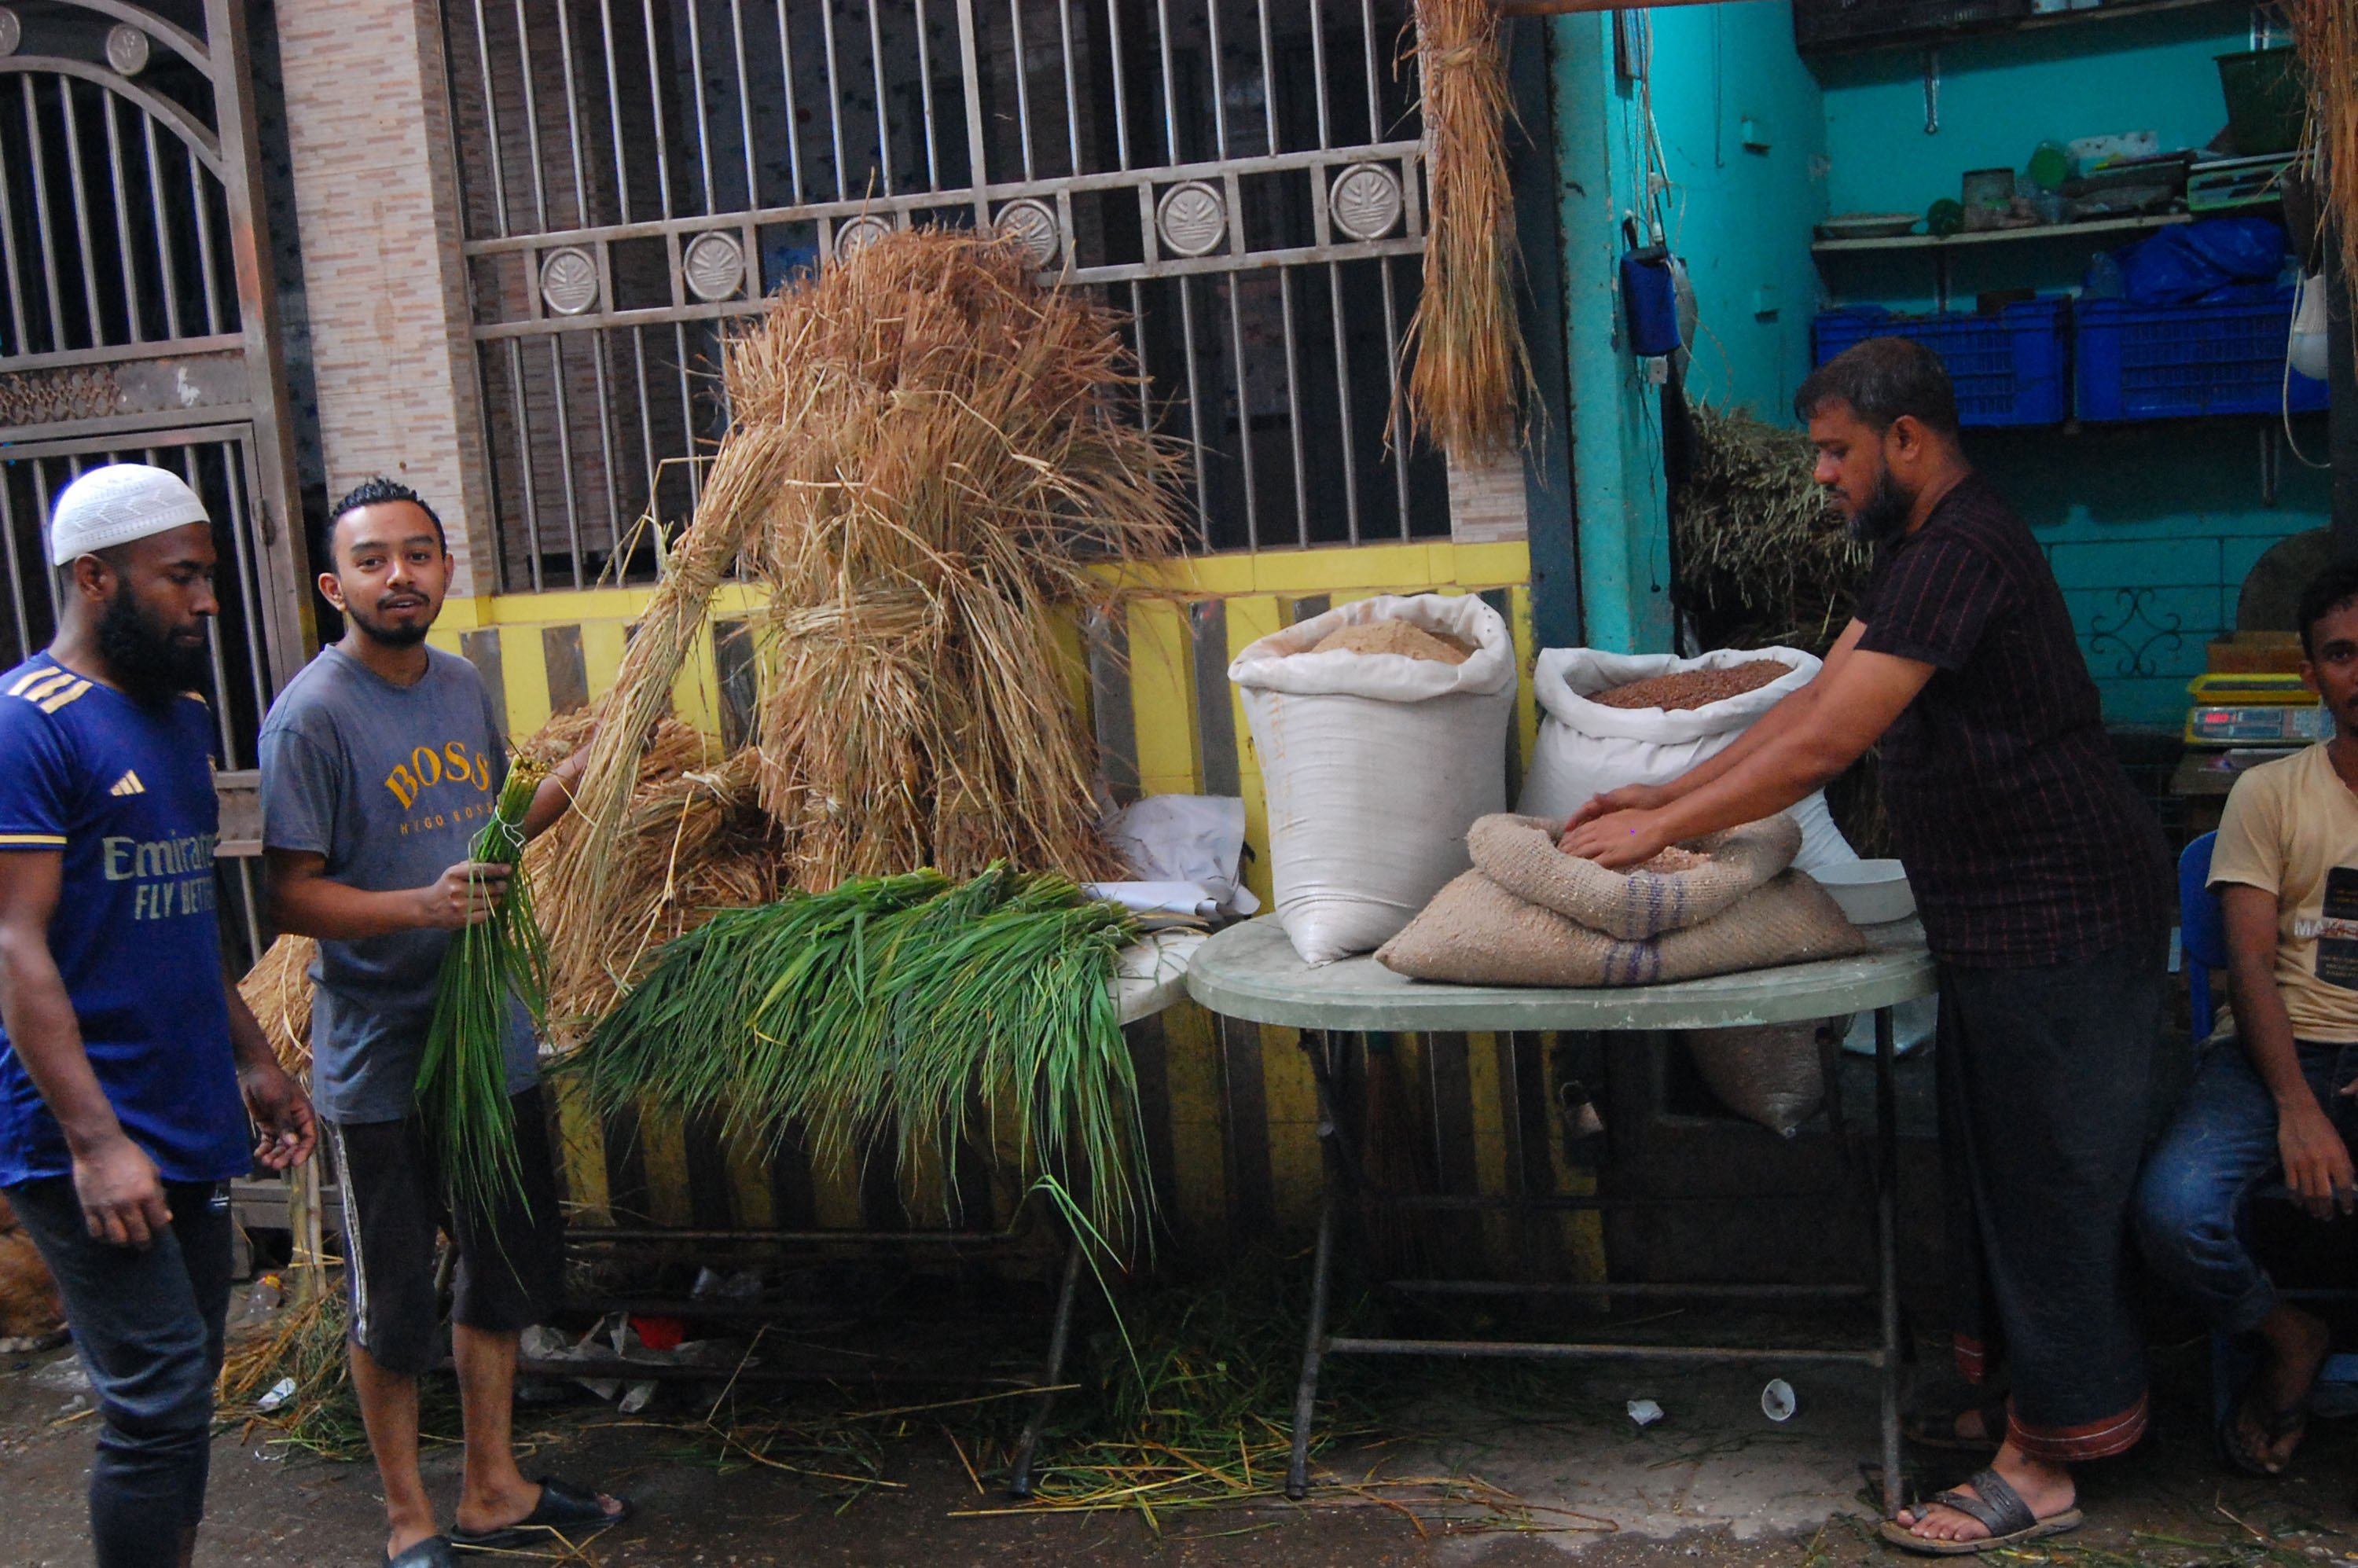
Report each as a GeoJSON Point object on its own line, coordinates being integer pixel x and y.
{"type": "Point", "coordinates": [1887, 1247]}
{"type": "Point", "coordinates": [1060, 1339]}
{"type": "Point", "coordinates": [1313, 1347]}
{"type": "Point", "coordinates": [1319, 1044]}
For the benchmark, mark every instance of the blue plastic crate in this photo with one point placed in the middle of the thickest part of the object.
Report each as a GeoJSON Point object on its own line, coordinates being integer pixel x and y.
{"type": "Point", "coordinates": [2177, 362]}
{"type": "Point", "coordinates": [2008, 369]}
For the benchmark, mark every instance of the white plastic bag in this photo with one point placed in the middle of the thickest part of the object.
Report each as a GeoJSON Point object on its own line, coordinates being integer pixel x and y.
{"type": "Point", "coordinates": [1375, 765]}
{"type": "Point", "coordinates": [1586, 748]}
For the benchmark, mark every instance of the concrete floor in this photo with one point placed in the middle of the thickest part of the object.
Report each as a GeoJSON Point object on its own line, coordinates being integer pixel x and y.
{"type": "Point", "coordinates": [1547, 1465]}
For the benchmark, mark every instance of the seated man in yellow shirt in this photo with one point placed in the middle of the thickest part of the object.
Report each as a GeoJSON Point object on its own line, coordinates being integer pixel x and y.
{"type": "Point", "coordinates": [2277, 1097]}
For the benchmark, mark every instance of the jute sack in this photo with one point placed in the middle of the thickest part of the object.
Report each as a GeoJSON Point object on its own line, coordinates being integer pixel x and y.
{"type": "Point", "coordinates": [1373, 765]}
{"type": "Point", "coordinates": [1519, 854]}
{"type": "Point", "coordinates": [1477, 932]}
{"type": "Point", "coordinates": [1771, 1074]}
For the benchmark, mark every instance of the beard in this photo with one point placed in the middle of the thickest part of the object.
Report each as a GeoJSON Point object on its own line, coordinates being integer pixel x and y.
{"type": "Point", "coordinates": [147, 661]}
{"type": "Point", "coordinates": [383, 635]}
{"type": "Point", "coordinates": [1883, 515]}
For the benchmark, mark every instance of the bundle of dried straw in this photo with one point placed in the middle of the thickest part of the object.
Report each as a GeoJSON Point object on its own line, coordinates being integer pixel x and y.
{"type": "Point", "coordinates": [1466, 386]}
{"type": "Point", "coordinates": [961, 469]}
{"type": "Point", "coordinates": [2326, 32]}
{"type": "Point", "coordinates": [278, 991]}
{"type": "Point", "coordinates": [1763, 557]}
{"type": "Point", "coordinates": [692, 840]}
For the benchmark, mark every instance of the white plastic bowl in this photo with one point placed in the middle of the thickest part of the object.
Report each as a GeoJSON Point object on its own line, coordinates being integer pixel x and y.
{"type": "Point", "coordinates": [1871, 893]}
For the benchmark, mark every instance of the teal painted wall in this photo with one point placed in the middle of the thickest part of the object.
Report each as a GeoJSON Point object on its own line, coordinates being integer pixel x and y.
{"type": "Point", "coordinates": [1617, 463]}
{"type": "Point", "coordinates": [2150, 528]}
{"type": "Point", "coordinates": [1741, 218]}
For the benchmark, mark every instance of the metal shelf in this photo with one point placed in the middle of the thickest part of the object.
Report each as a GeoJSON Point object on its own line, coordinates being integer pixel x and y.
{"type": "Point", "coordinates": [1996, 236]}
{"type": "Point", "coordinates": [1936, 37]}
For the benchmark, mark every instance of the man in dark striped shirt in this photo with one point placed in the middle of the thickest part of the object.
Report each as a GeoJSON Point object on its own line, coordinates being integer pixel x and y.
{"type": "Point", "coordinates": [2044, 886]}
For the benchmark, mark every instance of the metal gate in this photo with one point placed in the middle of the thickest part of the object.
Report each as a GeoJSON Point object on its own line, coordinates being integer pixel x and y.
{"type": "Point", "coordinates": [1243, 178]}
{"type": "Point", "coordinates": [136, 326]}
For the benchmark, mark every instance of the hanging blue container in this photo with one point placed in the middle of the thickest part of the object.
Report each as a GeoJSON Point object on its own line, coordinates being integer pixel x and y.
{"type": "Point", "coordinates": [1650, 297]}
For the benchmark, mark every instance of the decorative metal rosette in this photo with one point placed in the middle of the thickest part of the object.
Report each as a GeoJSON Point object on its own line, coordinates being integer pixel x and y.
{"type": "Point", "coordinates": [1033, 222]}
{"type": "Point", "coordinates": [713, 266]}
{"type": "Point", "coordinates": [569, 281]}
{"type": "Point", "coordinates": [1192, 219]}
{"type": "Point", "coordinates": [1364, 200]}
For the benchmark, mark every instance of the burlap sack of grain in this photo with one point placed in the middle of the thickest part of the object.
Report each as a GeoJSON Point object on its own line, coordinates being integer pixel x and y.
{"type": "Point", "coordinates": [1519, 854]}
{"type": "Point", "coordinates": [1373, 765]}
{"type": "Point", "coordinates": [1585, 748]}
{"type": "Point", "coordinates": [30, 1312]}
{"type": "Point", "coordinates": [1477, 932]}
{"type": "Point", "coordinates": [1771, 1074]}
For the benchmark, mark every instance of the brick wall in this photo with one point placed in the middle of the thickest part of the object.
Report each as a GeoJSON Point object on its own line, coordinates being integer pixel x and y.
{"type": "Point", "coordinates": [375, 197]}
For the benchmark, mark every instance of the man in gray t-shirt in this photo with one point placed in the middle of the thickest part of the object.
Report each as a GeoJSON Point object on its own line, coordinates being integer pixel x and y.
{"type": "Point", "coordinates": [381, 761]}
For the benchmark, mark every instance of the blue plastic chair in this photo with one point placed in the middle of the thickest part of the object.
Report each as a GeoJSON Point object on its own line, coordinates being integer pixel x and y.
{"type": "Point", "coordinates": [2202, 945]}
{"type": "Point", "coordinates": [2201, 931]}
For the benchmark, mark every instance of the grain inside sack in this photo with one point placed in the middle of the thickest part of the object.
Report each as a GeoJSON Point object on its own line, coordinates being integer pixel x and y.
{"type": "Point", "coordinates": [1689, 689]}
{"type": "Point", "coordinates": [1404, 637]}
{"type": "Point", "coordinates": [1530, 915]}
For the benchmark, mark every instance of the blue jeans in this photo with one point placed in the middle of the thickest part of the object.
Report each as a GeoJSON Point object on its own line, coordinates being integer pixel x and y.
{"type": "Point", "coordinates": [148, 1325]}
{"type": "Point", "coordinates": [2199, 1182]}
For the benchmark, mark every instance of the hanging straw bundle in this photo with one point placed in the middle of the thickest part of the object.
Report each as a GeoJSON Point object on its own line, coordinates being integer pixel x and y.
{"type": "Point", "coordinates": [881, 1010]}
{"type": "Point", "coordinates": [1471, 369]}
{"type": "Point", "coordinates": [2326, 33]}
{"type": "Point", "coordinates": [278, 991]}
{"type": "Point", "coordinates": [961, 472]}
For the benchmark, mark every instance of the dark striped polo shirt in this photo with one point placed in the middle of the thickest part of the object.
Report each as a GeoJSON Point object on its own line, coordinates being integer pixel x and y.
{"type": "Point", "coordinates": [2023, 839]}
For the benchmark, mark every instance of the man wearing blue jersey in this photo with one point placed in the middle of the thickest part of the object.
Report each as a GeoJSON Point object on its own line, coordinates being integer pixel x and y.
{"type": "Point", "coordinates": [128, 1065]}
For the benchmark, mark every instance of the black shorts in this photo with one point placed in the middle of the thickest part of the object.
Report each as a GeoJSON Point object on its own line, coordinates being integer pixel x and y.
{"type": "Point", "coordinates": [510, 1269]}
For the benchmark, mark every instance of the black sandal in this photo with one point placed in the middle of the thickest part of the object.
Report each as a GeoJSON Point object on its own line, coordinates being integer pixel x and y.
{"type": "Point", "coordinates": [434, 1551]}
{"type": "Point", "coordinates": [1999, 1509]}
{"type": "Point", "coordinates": [563, 1512]}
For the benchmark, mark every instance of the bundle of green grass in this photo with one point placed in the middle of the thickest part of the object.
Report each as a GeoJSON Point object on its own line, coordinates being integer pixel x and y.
{"type": "Point", "coordinates": [882, 1011]}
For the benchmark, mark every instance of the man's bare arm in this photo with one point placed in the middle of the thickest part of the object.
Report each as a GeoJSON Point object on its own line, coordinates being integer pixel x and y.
{"type": "Point", "coordinates": [306, 901]}
{"type": "Point", "coordinates": [121, 1194]}
{"type": "Point", "coordinates": [2316, 1163]}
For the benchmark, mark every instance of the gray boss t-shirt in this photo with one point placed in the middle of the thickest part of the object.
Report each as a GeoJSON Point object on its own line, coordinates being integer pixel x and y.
{"type": "Point", "coordinates": [390, 784]}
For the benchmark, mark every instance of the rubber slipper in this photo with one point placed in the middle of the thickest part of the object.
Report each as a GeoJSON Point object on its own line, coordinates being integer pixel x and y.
{"type": "Point", "coordinates": [563, 1511]}
{"type": "Point", "coordinates": [434, 1551]}
{"type": "Point", "coordinates": [1999, 1509]}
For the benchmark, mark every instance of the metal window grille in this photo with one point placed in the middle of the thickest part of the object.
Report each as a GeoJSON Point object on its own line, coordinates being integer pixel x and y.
{"type": "Point", "coordinates": [1243, 178]}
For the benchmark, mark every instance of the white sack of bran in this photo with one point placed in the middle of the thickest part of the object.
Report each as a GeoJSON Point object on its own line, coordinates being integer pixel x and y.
{"type": "Point", "coordinates": [1586, 747]}
{"type": "Point", "coordinates": [1373, 765]}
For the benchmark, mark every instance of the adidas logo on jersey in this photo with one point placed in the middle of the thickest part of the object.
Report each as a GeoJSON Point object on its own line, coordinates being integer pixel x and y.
{"type": "Point", "coordinates": [127, 785]}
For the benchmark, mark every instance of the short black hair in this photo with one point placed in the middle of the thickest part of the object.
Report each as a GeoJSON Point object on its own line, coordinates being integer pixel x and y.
{"type": "Point", "coordinates": [1882, 379]}
{"type": "Point", "coordinates": [378, 491]}
{"type": "Point", "coordinates": [2326, 593]}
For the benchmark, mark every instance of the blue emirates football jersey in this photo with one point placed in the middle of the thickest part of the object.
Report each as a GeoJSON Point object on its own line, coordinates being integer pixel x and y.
{"type": "Point", "coordinates": [125, 794]}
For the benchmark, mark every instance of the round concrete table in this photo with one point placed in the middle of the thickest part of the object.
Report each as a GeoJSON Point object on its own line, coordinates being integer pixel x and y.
{"type": "Point", "coordinates": [1251, 972]}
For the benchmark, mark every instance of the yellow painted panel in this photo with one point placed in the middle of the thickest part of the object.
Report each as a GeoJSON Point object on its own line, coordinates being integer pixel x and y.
{"type": "Point", "coordinates": [696, 691]}
{"type": "Point", "coordinates": [524, 673]}
{"type": "Point", "coordinates": [1162, 691]}
{"type": "Point", "coordinates": [444, 637]}
{"type": "Point", "coordinates": [835, 1192]}
{"type": "Point", "coordinates": [749, 1181]}
{"type": "Point", "coordinates": [1249, 620]}
{"type": "Point", "coordinates": [1198, 1151]}
{"type": "Point", "coordinates": [1527, 708]}
{"type": "Point", "coordinates": [582, 1151]}
{"type": "Point", "coordinates": [1257, 868]}
{"type": "Point", "coordinates": [1295, 1170]}
{"type": "Point", "coordinates": [1482, 1074]}
{"type": "Point", "coordinates": [602, 646]}
{"type": "Point", "coordinates": [663, 1144]}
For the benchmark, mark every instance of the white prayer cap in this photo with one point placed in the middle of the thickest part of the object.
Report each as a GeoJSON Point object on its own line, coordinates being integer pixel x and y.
{"type": "Point", "coordinates": [118, 504]}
